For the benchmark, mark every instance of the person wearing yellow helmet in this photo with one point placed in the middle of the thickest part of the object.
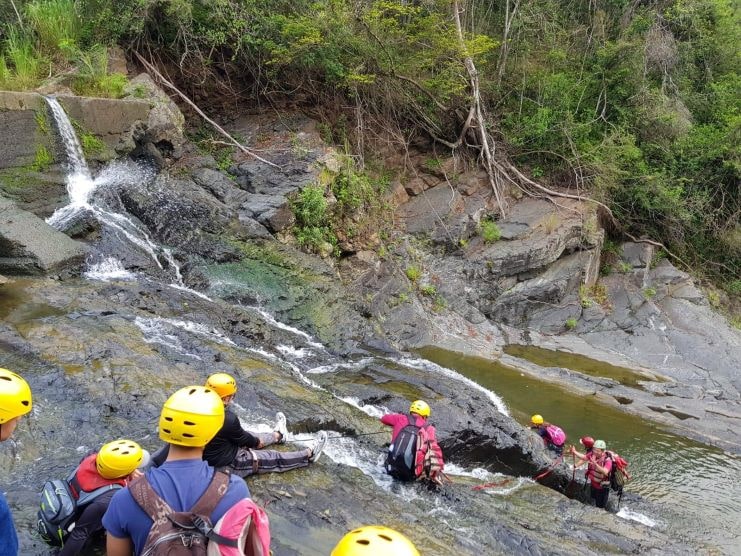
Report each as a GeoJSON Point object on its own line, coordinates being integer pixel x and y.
{"type": "Point", "coordinates": [190, 418]}
{"type": "Point", "coordinates": [374, 540]}
{"type": "Point", "coordinates": [15, 401]}
{"type": "Point", "coordinates": [242, 451]}
{"type": "Point", "coordinates": [406, 461]}
{"type": "Point", "coordinates": [553, 436]}
{"type": "Point", "coordinates": [92, 485]}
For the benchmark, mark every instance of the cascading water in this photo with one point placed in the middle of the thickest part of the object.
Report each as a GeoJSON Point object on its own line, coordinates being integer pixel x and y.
{"type": "Point", "coordinates": [80, 184]}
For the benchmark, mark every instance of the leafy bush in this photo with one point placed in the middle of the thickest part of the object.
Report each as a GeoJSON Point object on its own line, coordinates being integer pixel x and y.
{"type": "Point", "coordinates": [571, 323]}
{"type": "Point", "coordinates": [489, 231]}
{"type": "Point", "coordinates": [42, 160]}
{"type": "Point", "coordinates": [429, 290]}
{"type": "Point", "coordinates": [414, 273]}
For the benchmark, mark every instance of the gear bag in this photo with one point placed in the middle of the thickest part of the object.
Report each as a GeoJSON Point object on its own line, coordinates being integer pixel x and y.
{"type": "Point", "coordinates": [181, 533]}
{"type": "Point", "coordinates": [401, 461]}
{"type": "Point", "coordinates": [247, 524]}
{"type": "Point", "coordinates": [429, 462]}
{"type": "Point", "coordinates": [556, 434]}
{"type": "Point", "coordinates": [59, 509]}
{"type": "Point", "coordinates": [619, 475]}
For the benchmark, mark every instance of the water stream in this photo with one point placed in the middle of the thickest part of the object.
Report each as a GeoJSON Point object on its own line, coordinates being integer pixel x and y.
{"type": "Point", "coordinates": [699, 480]}
{"type": "Point", "coordinates": [667, 468]}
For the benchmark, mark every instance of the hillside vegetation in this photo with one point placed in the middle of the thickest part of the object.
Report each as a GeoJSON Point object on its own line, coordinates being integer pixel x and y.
{"type": "Point", "coordinates": [634, 101]}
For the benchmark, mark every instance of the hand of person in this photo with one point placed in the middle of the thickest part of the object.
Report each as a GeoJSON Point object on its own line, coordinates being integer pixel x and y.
{"type": "Point", "coordinates": [572, 450]}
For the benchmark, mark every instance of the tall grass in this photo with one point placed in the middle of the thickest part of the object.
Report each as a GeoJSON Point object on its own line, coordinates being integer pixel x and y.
{"type": "Point", "coordinates": [4, 71]}
{"type": "Point", "coordinates": [55, 23]}
{"type": "Point", "coordinates": [25, 60]}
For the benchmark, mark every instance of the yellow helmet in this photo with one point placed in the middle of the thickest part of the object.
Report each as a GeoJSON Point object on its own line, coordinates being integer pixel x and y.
{"type": "Point", "coordinates": [536, 419]}
{"type": "Point", "coordinates": [191, 417]}
{"type": "Point", "coordinates": [15, 396]}
{"type": "Point", "coordinates": [420, 408]}
{"type": "Point", "coordinates": [118, 459]}
{"type": "Point", "coordinates": [374, 540]}
{"type": "Point", "coordinates": [223, 384]}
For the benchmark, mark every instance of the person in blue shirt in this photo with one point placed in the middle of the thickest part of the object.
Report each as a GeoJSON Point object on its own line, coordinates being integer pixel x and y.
{"type": "Point", "coordinates": [190, 418]}
{"type": "Point", "coordinates": [15, 401]}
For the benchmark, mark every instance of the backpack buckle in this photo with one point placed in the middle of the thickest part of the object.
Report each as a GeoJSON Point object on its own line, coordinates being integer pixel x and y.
{"type": "Point", "coordinates": [187, 540]}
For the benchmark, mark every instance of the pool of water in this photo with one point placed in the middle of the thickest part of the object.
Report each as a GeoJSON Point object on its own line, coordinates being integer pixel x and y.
{"type": "Point", "coordinates": [575, 362]}
{"type": "Point", "coordinates": [701, 482]}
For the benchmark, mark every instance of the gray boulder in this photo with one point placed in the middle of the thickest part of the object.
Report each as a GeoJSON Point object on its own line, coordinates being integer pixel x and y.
{"type": "Point", "coordinates": [28, 245]}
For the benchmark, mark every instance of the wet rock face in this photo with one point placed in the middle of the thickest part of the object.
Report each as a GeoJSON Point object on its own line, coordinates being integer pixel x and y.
{"type": "Point", "coordinates": [28, 245]}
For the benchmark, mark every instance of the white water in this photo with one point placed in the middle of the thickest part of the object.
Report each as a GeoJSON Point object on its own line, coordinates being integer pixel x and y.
{"type": "Point", "coordinates": [107, 270]}
{"type": "Point", "coordinates": [429, 366]}
{"type": "Point", "coordinates": [627, 513]}
{"type": "Point", "coordinates": [271, 320]}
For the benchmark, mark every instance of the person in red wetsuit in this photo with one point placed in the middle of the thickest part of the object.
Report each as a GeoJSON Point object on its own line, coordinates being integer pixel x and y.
{"type": "Point", "coordinates": [116, 464]}
{"type": "Point", "coordinates": [428, 459]}
{"type": "Point", "coordinates": [599, 465]}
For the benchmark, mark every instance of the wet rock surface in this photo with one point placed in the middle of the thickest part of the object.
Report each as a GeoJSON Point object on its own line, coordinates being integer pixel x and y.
{"type": "Point", "coordinates": [28, 245]}
{"type": "Point", "coordinates": [122, 346]}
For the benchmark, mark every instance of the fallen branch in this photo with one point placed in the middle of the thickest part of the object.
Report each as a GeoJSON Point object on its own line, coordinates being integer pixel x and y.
{"type": "Point", "coordinates": [661, 246]}
{"type": "Point", "coordinates": [200, 112]}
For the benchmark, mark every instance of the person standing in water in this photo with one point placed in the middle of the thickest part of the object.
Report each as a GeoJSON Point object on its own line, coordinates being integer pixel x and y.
{"type": "Point", "coordinates": [15, 401]}
{"type": "Point", "coordinates": [599, 465]}
{"type": "Point", "coordinates": [552, 435]}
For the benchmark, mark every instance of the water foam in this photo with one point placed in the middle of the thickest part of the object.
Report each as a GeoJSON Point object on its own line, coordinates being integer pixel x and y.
{"type": "Point", "coordinates": [627, 513]}
{"type": "Point", "coordinates": [108, 269]}
{"type": "Point", "coordinates": [429, 366]}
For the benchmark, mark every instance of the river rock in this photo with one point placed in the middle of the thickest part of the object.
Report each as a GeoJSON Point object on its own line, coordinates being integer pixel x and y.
{"type": "Point", "coordinates": [164, 121]}
{"type": "Point", "coordinates": [28, 245]}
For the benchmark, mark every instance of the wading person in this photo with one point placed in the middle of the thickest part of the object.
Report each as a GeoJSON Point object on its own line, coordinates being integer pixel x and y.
{"type": "Point", "coordinates": [185, 483]}
{"type": "Point", "coordinates": [414, 452]}
{"type": "Point", "coordinates": [599, 465]}
{"type": "Point", "coordinates": [553, 436]}
{"type": "Point", "coordinates": [15, 401]}
{"type": "Point", "coordinates": [92, 486]}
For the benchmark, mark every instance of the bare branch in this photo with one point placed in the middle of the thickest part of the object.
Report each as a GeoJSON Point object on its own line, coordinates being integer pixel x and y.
{"type": "Point", "coordinates": [200, 112]}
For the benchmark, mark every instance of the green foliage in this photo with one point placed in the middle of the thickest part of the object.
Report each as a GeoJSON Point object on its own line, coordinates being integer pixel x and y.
{"type": "Point", "coordinates": [93, 78]}
{"type": "Point", "coordinates": [42, 160]}
{"type": "Point", "coordinates": [429, 290]}
{"type": "Point", "coordinates": [55, 24]}
{"type": "Point", "coordinates": [489, 231]}
{"type": "Point", "coordinates": [649, 292]}
{"type": "Point", "coordinates": [571, 323]}
{"type": "Point", "coordinates": [413, 273]}
{"type": "Point", "coordinates": [311, 230]}
{"type": "Point", "coordinates": [42, 121]}
{"type": "Point", "coordinates": [90, 144]}
{"type": "Point", "coordinates": [22, 66]}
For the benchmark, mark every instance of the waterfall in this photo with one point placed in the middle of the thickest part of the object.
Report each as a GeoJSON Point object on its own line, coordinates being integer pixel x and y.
{"type": "Point", "coordinates": [80, 182]}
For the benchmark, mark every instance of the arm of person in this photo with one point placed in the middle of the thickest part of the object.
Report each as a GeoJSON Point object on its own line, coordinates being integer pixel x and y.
{"type": "Point", "coordinates": [118, 547]}
{"type": "Point", "coordinates": [235, 433]}
{"type": "Point", "coordinates": [391, 419]}
{"type": "Point", "coordinates": [603, 469]}
{"type": "Point", "coordinates": [86, 526]}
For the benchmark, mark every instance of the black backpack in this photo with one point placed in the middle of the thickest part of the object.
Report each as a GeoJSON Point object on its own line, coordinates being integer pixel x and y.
{"type": "Point", "coordinates": [402, 456]}
{"type": "Point", "coordinates": [59, 509]}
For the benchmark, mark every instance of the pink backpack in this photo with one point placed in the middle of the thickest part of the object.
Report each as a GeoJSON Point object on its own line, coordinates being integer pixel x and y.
{"type": "Point", "coordinates": [247, 523]}
{"type": "Point", "coordinates": [557, 436]}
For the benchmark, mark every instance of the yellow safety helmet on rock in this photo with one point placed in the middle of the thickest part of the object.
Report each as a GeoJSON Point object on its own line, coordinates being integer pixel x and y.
{"type": "Point", "coordinates": [223, 384]}
{"type": "Point", "coordinates": [118, 459]}
{"type": "Point", "coordinates": [374, 540]}
{"type": "Point", "coordinates": [15, 396]}
{"type": "Point", "coordinates": [420, 408]}
{"type": "Point", "coordinates": [191, 417]}
{"type": "Point", "coordinates": [536, 419]}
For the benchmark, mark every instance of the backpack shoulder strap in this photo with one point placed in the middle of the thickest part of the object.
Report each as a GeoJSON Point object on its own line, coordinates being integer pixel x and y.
{"type": "Point", "coordinates": [149, 501]}
{"type": "Point", "coordinates": [412, 420]}
{"type": "Point", "coordinates": [214, 493]}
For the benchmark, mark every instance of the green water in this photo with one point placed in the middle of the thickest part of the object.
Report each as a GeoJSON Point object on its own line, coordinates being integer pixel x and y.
{"type": "Point", "coordinates": [576, 362]}
{"type": "Point", "coordinates": [698, 480]}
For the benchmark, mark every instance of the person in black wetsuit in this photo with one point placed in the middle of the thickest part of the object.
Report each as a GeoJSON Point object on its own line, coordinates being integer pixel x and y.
{"type": "Point", "coordinates": [241, 451]}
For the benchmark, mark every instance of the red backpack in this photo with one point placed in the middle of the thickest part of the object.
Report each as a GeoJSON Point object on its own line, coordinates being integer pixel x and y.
{"type": "Point", "coordinates": [428, 461]}
{"type": "Point", "coordinates": [556, 434]}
